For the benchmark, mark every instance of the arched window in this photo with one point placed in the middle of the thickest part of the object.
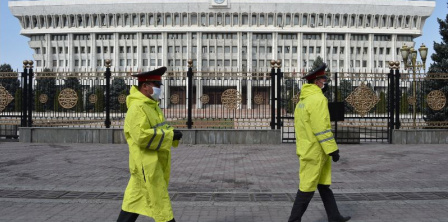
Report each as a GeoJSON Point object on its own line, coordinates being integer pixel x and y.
{"type": "Point", "coordinates": [227, 19]}
{"type": "Point", "coordinates": [203, 19]}
{"type": "Point", "coordinates": [169, 19]}
{"type": "Point", "coordinates": [288, 19]}
{"type": "Point", "coordinates": [245, 19]}
{"type": "Point", "coordinates": [159, 20]}
{"type": "Point", "coordinates": [95, 20]}
{"type": "Point", "coordinates": [280, 20]}
{"type": "Point", "coordinates": [112, 20]}
{"type": "Point", "coordinates": [119, 20]}
{"type": "Point", "coordinates": [305, 19]}
{"type": "Point", "coordinates": [219, 19]}
{"type": "Point", "coordinates": [211, 19]}
{"type": "Point", "coordinates": [127, 20]}
{"type": "Point", "coordinates": [236, 21]}
{"type": "Point", "coordinates": [50, 21]}
{"type": "Point", "coordinates": [176, 19]}
{"type": "Point", "coordinates": [185, 19]}
{"type": "Point", "coordinates": [194, 19]}
{"type": "Point", "coordinates": [88, 20]}
{"type": "Point", "coordinates": [134, 20]}
{"type": "Point", "coordinates": [337, 18]}
{"type": "Point", "coordinates": [270, 19]}
{"type": "Point", "coordinates": [328, 20]}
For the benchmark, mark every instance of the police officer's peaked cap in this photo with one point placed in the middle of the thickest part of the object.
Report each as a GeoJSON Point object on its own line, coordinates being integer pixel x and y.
{"type": "Point", "coordinates": [319, 72]}
{"type": "Point", "coordinates": [151, 76]}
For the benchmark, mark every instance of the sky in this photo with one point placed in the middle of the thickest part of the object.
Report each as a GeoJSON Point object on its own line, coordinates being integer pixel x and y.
{"type": "Point", "coordinates": [14, 47]}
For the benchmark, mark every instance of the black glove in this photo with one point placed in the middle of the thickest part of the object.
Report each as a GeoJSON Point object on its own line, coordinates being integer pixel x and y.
{"type": "Point", "coordinates": [177, 135]}
{"type": "Point", "coordinates": [335, 155]}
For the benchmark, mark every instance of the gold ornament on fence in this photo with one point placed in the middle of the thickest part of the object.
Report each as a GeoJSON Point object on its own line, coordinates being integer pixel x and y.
{"type": "Point", "coordinates": [296, 98]}
{"type": "Point", "coordinates": [122, 98]}
{"type": "Point", "coordinates": [258, 99]}
{"type": "Point", "coordinates": [436, 100]}
{"type": "Point", "coordinates": [43, 98]}
{"type": "Point", "coordinates": [205, 99]}
{"type": "Point", "coordinates": [363, 99]}
{"type": "Point", "coordinates": [93, 98]}
{"type": "Point", "coordinates": [231, 99]}
{"type": "Point", "coordinates": [68, 98]}
{"type": "Point", "coordinates": [412, 100]}
{"type": "Point", "coordinates": [5, 98]}
{"type": "Point", "coordinates": [174, 99]}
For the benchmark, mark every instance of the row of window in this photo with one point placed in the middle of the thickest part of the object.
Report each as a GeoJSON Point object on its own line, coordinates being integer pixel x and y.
{"type": "Point", "coordinates": [220, 19]}
{"type": "Point", "coordinates": [219, 49]}
{"type": "Point", "coordinates": [211, 63]}
{"type": "Point", "coordinates": [255, 36]}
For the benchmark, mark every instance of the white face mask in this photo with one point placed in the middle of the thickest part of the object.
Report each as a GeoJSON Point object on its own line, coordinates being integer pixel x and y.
{"type": "Point", "coordinates": [156, 93]}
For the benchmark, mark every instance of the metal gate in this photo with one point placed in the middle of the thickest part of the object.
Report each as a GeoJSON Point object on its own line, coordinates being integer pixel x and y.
{"type": "Point", "coordinates": [359, 105]}
{"type": "Point", "coordinates": [10, 105]}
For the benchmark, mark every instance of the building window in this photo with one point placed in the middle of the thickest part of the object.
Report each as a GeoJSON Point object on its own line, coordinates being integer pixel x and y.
{"type": "Point", "coordinates": [235, 20]}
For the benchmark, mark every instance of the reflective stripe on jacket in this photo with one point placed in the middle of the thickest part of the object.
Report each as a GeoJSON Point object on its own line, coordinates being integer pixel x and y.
{"type": "Point", "coordinates": [314, 139]}
{"type": "Point", "coordinates": [150, 140]}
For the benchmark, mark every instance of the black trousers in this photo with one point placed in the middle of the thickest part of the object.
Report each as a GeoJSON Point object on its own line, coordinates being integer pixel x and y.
{"type": "Point", "coordinates": [303, 199]}
{"type": "Point", "coordinates": [131, 217]}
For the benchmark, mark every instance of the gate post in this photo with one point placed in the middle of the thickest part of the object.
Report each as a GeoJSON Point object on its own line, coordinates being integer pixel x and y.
{"type": "Point", "coordinates": [336, 99]}
{"type": "Point", "coordinates": [273, 94]}
{"type": "Point", "coordinates": [392, 66]}
{"type": "Point", "coordinates": [30, 94]}
{"type": "Point", "coordinates": [107, 74]}
{"type": "Point", "coordinates": [190, 93]}
{"type": "Point", "coordinates": [397, 99]}
{"type": "Point", "coordinates": [23, 121]}
{"type": "Point", "coordinates": [391, 104]}
{"type": "Point", "coordinates": [279, 93]}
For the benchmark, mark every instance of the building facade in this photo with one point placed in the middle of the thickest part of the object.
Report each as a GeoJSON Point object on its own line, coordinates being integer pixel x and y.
{"type": "Point", "coordinates": [219, 35]}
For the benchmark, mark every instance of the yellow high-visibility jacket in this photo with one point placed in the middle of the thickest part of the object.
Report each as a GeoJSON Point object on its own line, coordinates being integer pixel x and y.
{"type": "Point", "coordinates": [150, 140]}
{"type": "Point", "coordinates": [314, 139]}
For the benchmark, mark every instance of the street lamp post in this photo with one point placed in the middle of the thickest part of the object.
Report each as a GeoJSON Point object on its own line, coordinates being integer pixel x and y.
{"type": "Point", "coordinates": [409, 56]}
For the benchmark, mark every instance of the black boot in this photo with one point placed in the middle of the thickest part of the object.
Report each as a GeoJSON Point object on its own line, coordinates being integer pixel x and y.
{"type": "Point", "coordinates": [330, 204]}
{"type": "Point", "coordinates": [300, 204]}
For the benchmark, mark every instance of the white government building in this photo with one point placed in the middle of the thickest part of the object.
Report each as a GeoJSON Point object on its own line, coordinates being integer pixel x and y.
{"type": "Point", "coordinates": [223, 35]}
{"type": "Point", "coordinates": [230, 35]}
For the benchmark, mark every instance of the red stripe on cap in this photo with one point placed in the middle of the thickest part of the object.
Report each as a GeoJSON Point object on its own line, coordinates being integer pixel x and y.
{"type": "Point", "coordinates": [149, 78]}
{"type": "Point", "coordinates": [320, 73]}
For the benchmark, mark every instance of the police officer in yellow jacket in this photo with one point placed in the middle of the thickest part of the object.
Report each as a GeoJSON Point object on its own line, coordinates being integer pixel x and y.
{"type": "Point", "coordinates": [316, 147]}
{"type": "Point", "coordinates": [150, 140]}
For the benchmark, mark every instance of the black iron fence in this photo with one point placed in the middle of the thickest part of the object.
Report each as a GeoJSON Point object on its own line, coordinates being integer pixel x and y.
{"type": "Point", "coordinates": [373, 104]}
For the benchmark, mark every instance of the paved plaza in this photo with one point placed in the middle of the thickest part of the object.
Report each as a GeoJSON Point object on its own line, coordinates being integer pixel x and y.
{"type": "Point", "coordinates": [223, 183]}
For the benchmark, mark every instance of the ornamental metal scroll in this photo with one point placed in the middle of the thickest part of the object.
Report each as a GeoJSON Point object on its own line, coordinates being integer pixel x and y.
{"type": "Point", "coordinates": [205, 99]}
{"type": "Point", "coordinates": [436, 100]}
{"type": "Point", "coordinates": [231, 99]}
{"type": "Point", "coordinates": [68, 98]}
{"type": "Point", "coordinates": [122, 98]}
{"type": "Point", "coordinates": [258, 99]}
{"type": "Point", "coordinates": [93, 98]}
{"type": "Point", "coordinates": [43, 98]}
{"type": "Point", "coordinates": [5, 98]}
{"type": "Point", "coordinates": [412, 100]}
{"type": "Point", "coordinates": [296, 98]}
{"type": "Point", "coordinates": [175, 99]}
{"type": "Point", "coordinates": [363, 99]}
